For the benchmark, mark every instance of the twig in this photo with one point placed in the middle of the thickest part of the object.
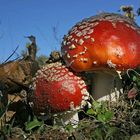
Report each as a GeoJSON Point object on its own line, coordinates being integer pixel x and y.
{"type": "Point", "coordinates": [11, 54]}
{"type": "Point", "coordinates": [133, 71]}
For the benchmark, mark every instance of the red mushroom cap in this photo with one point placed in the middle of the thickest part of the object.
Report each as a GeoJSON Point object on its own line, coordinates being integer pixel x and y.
{"type": "Point", "coordinates": [56, 89]}
{"type": "Point", "coordinates": [105, 41]}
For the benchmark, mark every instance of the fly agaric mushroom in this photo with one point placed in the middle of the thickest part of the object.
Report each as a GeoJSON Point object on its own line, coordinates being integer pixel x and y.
{"type": "Point", "coordinates": [58, 92]}
{"type": "Point", "coordinates": [103, 44]}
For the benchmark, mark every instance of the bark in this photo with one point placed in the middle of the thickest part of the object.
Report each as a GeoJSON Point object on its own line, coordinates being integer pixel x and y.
{"type": "Point", "coordinates": [32, 48]}
{"type": "Point", "coordinates": [17, 75]}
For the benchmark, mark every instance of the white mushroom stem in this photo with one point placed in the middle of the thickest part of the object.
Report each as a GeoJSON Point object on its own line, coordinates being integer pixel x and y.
{"type": "Point", "coordinates": [106, 86]}
{"type": "Point", "coordinates": [70, 117]}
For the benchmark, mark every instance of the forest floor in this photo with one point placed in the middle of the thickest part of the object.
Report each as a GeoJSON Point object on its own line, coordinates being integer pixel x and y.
{"type": "Point", "coordinates": [105, 120]}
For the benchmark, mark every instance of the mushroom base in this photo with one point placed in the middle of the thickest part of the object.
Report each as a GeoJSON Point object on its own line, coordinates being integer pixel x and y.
{"type": "Point", "coordinates": [106, 86]}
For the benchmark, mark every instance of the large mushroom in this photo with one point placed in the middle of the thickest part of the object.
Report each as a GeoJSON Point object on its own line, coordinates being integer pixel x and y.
{"type": "Point", "coordinates": [58, 92]}
{"type": "Point", "coordinates": [105, 45]}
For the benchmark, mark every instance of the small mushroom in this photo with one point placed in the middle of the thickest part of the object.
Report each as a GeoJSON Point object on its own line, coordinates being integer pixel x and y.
{"type": "Point", "coordinates": [105, 44]}
{"type": "Point", "coordinates": [58, 92]}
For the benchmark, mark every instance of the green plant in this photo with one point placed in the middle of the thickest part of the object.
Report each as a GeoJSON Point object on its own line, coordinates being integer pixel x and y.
{"type": "Point", "coordinates": [42, 60]}
{"type": "Point", "coordinates": [134, 76]}
{"type": "Point", "coordinates": [35, 123]}
{"type": "Point", "coordinates": [100, 111]}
